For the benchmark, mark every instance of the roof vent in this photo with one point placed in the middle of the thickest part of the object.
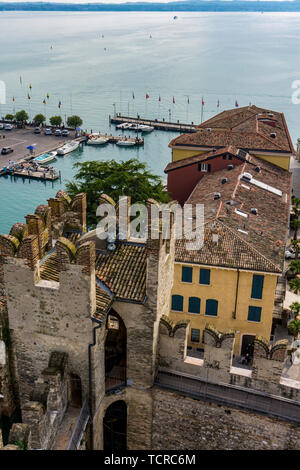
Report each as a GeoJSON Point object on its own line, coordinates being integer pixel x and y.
{"type": "Point", "coordinates": [254, 211]}
{"type": "Point", "coordinates": [257, 168]}
{"type": "Point", "coordinates": [217, 195]}
{"type": "Point", "coordinates": [273, 135]}
{"type": "Point", "coordinates": [224, 180]}
{"type": "Point", "coordinates": [229, 167]}
{"type": "Point", "coordinates": [208, 129]}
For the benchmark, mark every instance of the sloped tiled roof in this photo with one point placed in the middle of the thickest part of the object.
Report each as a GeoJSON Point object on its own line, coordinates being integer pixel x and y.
{"type": "Point", "coordinates": [248, 128]}
{"type": "Point", "coordinates": [254, 242]}
{"type": "Point", "coordinates": [123, 271]}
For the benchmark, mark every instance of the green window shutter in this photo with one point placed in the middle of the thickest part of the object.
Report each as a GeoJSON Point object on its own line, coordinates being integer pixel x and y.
{"type": "Point", "coordinates": [194, 305]}
{"type": "Point", "coordinates": [257, 286]}
{"type": "Point", "coordinates": [187, 274]}
{"type": "Point", "coordinates": [195, 335]}
{"type": "Point", "coordinates": [254, 313]}
{"type": "Point", "coordinates": [211, 307]}
{"type": "Point", "coordinates": [177, 303]}
{"type": "Point", "coordinates": [204, 276]}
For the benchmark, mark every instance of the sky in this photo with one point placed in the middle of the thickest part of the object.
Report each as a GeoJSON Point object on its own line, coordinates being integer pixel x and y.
{"type": "Point", "coordinates": [104, 1]}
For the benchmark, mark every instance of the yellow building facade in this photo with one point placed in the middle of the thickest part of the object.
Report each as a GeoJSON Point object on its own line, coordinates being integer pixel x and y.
{"type": "Point", "coordinates": [231, 294]}
{"type": "Point", "coordinates": [282, 160]}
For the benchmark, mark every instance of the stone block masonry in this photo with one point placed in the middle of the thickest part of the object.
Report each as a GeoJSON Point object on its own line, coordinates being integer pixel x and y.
{"type": "Point", "coordinates": [181, 423]}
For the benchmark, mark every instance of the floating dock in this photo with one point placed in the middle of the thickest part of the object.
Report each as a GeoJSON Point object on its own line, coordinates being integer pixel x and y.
{"type": "Point", "coordinates": [36, 175]}
{"type": "Point", "coordinates": [160, 125]}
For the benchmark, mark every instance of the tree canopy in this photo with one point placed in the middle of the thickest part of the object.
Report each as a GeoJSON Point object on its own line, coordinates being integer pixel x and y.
{"type": "Point", "coordinates": [131, 178]}
{"type": "Point", "coordinates": [74, 121]}
{"type": "Point", "coordinates": [55, 120]}
{"type": "Point", "coordinates": [39, 118]}
{"type": "Point", "coordinates": [22, 116]}
{"type": "Point", "coordinates": [9, 117]}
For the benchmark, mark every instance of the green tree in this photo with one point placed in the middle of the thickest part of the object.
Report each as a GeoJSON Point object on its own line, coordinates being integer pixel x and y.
{"type": "Point", "coordinates": [22, 116]}
{"type": "Point", "coordinates": [294, 327]}
{"type": "Point", "coordinates": [55, 121]}
{"type": "Point", "coordinates": [295, 285]}
{"type": "Point", "coordinates": [295, 308]}
{"type": "Point", "coordinates": [74, 121]}
{"type": "Point", "coordinates": [295, 266]}
{"type": "Point", "coordinates": [131, 178]}
{"type": "Point", "coordinates": [39, 118]}
{"type": "Point", "coordinates": [9, 117]}
{"type": "Point", "coordinates": [295, 224]}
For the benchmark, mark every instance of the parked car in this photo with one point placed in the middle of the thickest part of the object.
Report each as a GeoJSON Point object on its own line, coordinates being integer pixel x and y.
{"type": "Point", "coordinates": [8, 127]}
{"type": "Point", "coordinates": [37, 130]}
{"type": "Point", "coordinates": [6, 150]}
{"type": "Point", "coordinates": [48, 132]}
{"type": "Point", "coordinates": [65, 133]}
{"type": "Point", "coordinates": [57, 132]}
{"type": "Point", "coordinates": [290, 254]}
{"type": "Point", "coordinates": [1, 125]}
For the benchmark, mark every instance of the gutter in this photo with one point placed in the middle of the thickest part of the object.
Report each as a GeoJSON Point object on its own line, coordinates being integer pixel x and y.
{"type": "Point", "coordinates": [236, 294]}
{"type": "Point", "coordinates": [90, 404]}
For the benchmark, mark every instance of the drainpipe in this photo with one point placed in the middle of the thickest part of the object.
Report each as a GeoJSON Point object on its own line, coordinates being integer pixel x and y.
{"type": "Point", "coordinates": [236, 294]}
{"type": "Point", "coordinates": [91, 385]}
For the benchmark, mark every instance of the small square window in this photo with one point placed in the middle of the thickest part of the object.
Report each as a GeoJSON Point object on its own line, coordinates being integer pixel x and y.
{"type": "Point", "coordinates": [195, 335]}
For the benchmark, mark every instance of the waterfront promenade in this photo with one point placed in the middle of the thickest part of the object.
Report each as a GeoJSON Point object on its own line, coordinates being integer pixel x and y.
{"type": "Point", "coordinates": [20, 139]}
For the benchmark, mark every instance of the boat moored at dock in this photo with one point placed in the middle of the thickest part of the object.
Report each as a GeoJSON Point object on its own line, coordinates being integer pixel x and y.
{"type": "Point", "coordinates": [45, 158]}
{"type": "Point", "coordinates": [97, 141]}
{"type": "Point", "coordinates": [68, 148]}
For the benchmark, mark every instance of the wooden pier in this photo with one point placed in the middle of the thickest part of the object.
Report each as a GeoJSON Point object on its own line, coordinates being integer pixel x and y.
{"type": "Point", "coordinates": [113, 139]}
{"type": "Point", "coordinates": [36, 175]}
{"type": "Point", "coordinates": [160, 125]}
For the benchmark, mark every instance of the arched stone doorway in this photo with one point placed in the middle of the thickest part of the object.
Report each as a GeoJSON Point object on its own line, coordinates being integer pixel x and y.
{"type": "Point", "coordinates": [115, 427]}
{"type": "Point", "coordinates": [75, 391]}
{"type": "Point", "coordinates": [115, 352]}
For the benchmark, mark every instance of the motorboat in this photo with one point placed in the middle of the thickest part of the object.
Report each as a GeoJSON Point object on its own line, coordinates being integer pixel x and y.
{"type": "Point", "coordinates": [126, 143]}
{"type": "Point", "coordinates": [97, 141]}
{"type": "Point", "coordinates": [69, 147]}
{"type": "Point", "coordinates": [45, 158]}
{"type": "Point", "coordinates": [124, 125]}
{"type": "Point", "coordinates": [144, 128]}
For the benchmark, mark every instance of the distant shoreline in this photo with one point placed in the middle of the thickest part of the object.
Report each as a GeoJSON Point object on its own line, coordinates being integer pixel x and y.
{"type": "Point", "coordinates": [188, 6]}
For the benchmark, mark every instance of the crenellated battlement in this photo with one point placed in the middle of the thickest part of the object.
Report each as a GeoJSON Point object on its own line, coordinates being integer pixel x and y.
{"type": "Point", "coordinates": [266, 373]}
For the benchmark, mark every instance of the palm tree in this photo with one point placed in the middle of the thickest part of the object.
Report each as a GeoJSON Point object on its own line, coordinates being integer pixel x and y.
{"type": "Point", "coordinates": [295, 266]}
{"type": "Point", "coordinates": [295, 224]}
{"type": "Point", "coordinates": [295, 308]}
{"type": "Point", "coordinates": [295, 285]}
{"type": "Point", "coordinates": [294, 327]}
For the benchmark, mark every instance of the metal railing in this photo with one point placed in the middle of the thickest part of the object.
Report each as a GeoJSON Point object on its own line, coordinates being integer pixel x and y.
{"type": "Point", "coordinates": [80, 427]}
{"type": "Point", "coordinates": [230, 395]}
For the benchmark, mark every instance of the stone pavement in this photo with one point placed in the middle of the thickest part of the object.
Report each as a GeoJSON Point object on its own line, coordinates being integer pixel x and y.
{"type": "Point", "coordinates": [66, 428]}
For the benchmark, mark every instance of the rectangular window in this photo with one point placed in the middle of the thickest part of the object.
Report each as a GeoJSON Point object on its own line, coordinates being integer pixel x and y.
{"type": "Point", "coordinates": [203, 167]}
{"type": "Point", "coordinates": [187, 274]}
{"type": "Point", "coordinates": [177, 303]}
{"type": "Point", "coordinates": [204, 276]}
{"type": "Point", "coordinates": [254, 313]}
{"type": "Point", "coordinates": [257, 286]}
{"type": "Point", "coordinates": [195, 335]}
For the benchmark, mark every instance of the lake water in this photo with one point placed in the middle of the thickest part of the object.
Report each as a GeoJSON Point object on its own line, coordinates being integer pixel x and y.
{"type": "Point", "coordinates": [248, 57]}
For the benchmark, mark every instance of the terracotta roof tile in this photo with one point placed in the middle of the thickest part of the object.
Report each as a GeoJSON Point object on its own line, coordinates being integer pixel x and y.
{"type": "Point", "coordinates": [123, 271]}
{"type": "Point", "coordinates": [262, 246]}
{"type": "Point", "coordinates": [248, 128]}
